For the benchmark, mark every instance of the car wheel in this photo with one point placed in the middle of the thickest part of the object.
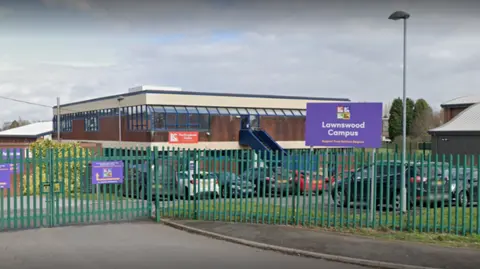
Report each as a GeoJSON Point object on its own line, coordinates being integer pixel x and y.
{"type": "Point", "coordinates": [225, 192]}
{"type": "Point", "coordinates": [462, 198]}
{"type": "Point", "coordinates": [259, 190]}
{"type": "Point", "coordinates": [397, 202]}
{"type": "Point", "coordinates": [186, 194]}
{"type": "Point", "coordinates": [339, 198]}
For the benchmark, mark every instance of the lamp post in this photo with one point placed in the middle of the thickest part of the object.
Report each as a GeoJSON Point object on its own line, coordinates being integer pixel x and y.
{"type": "Point", "coordinates": [119, 99]}
{"type": "Point", "coordinates": [402, 15]}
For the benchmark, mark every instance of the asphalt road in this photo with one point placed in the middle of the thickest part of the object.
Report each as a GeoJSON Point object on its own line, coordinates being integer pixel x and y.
{"type": "Point", "coordinates": [137, 245]}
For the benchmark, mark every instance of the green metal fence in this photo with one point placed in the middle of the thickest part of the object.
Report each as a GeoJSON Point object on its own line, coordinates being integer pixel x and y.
{"type": "Point", "coordinates": [338, 189]}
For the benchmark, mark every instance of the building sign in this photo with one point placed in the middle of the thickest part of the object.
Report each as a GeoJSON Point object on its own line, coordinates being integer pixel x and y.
{"type": "Point", "coordinates": [107, 172]}
{"type": "Point", "coordinates": [357, 125]}
{"type": "Point", "coordinates": [12, 153]}
{"type": "Point", "coordinates": [5, 173]}
{"type": "Point", "coordinates": [183, 137]}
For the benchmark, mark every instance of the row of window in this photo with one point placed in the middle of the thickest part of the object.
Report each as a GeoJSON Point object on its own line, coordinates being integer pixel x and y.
{"type": "Point", "coordinates": [232, 111]}
{"type": "Point", "coordinates": [145, 118]}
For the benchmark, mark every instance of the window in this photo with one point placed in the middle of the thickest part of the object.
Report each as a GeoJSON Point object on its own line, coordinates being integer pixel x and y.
{"type": "Point", "coordinates": [212, 110]}
{"type": "Point", "coordinates": [192, 110]}
{"type": "Point", "coordinates": [261, 111]}
{"type": "Point", "coordinates": [243, 111]}
{"type": "Point", "coordinates": [223, 111]}
{"type": "Point", "coordinates": [181, 118]}
{"type": "Point", "coordinates": [202, 110]}
{"type": "Point", "coordinates": [270, 112]}
{"type": "Point", "coordinates": [91, 121]}
{"type": "Point", "coordinates": [159, 119]}
{"type": "Point", "coordinates": [297, 112]}
{"type": "Point", "coordinates": [66, 123]}
{"type": "Point", "coordinates": [254, 122]}
{"type": "Point", "coordinates": [171, 117]}
{"type": "Point", "coordinates": [232, 111]}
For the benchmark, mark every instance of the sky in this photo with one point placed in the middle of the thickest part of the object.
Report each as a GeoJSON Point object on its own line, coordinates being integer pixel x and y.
{"type": "Point", "coordinates": [79, 49]}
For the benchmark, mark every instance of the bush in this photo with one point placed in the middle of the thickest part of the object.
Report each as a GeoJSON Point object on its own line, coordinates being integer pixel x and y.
{"type": "Point", "coordinates": [66, 161]}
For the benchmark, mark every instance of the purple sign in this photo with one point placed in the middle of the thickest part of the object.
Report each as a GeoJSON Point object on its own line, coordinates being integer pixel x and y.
{"type": "Point", "coordinates": [357, 125]}
{"type": "Point", "coordinates": [107, 172]}
{"type": "Point", "coordinates": [5, 173]}
{"type": "Point", "coordinates": [12, 153]}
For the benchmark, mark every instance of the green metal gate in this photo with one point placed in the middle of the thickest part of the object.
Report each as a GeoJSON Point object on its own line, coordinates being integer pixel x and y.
{"type": "Point", "coordinates": [54, 187]}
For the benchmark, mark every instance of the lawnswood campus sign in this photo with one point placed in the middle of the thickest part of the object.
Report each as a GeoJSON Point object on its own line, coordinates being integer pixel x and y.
{"type": "Point", "coordinates": [357, 125]}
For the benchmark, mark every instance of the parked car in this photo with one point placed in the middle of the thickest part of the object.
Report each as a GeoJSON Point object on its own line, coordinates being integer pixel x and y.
{"type": "Point", "coordinates": [464, 182]}
{"type": "Point", "coordinates": [195, 184]}
{"type": "Point", "coordinates": [420, 187]}
{"type": "Point", "coordinates": [231, 185]}
{"type": "Point", "coordinates": [136, 182]}
{"type": "Point", "coordinates": [313, 183]}
{"type": "Point", "coordinates": [269, 181]}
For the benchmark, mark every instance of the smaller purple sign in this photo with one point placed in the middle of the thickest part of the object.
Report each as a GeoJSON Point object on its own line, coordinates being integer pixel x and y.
{"type": "Point", "coordinates": [12, 153]}
{"type": "Point", "coordinates": [5, 173]}
{"type": "Point", "coordinates": [107, 172]}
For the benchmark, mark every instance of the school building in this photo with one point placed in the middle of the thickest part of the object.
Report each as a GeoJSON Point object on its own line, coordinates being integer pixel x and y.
{"type": "Point", "coordinates": [148, 116]}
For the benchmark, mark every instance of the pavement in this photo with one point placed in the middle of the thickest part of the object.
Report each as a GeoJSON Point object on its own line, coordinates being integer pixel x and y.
{"type": "Point", "coordinates": [137, 245]}
{"type": "Point", "coordinates": [336, 246]}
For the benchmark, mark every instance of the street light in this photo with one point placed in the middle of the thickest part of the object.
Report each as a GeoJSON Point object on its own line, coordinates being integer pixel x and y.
{"type": "Point", "coordinates": [119, 99]}
{"type": "Point", "coordinates": [402, 15]}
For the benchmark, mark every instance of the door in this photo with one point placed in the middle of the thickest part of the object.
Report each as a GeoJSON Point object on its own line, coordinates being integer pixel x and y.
{"type": "Point", "coordinates": [385, 183]}
{"type": "Point", "coordinates": [361, 186]}
{"type": "Point", "coordinates": [244, 122]}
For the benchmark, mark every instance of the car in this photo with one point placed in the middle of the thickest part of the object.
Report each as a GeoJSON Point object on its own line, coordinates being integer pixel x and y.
{"type": "Point", "coordinates": [269, 181]}
{"type": "Point", "coordinates": [464, 182]}
{"type": "Point", "coordinates": [232, 185]}
{"type": "Point", "coordinates": [423, 183]}
{"type": "Point", "coordinates": [191, 184]}
{"type": "Point", "coordinates": [136, 182]}
{"type": "Point", "coordinates": [306, 183]}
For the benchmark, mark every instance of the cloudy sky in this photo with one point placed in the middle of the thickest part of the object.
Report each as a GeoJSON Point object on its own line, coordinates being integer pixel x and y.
{"type": "Point", "coordinates": [78, 49]}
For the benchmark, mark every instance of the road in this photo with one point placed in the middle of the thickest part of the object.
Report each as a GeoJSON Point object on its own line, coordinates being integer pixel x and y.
{"type": "Point", "coordinates": [137, 245]}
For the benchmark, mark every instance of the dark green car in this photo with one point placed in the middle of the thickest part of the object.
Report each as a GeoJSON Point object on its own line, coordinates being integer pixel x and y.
{"type": "Point", "coordinates": [424, 184]}
{"type": "Point", "coordinates": [137, 182]}
{"type": "Point", "coordinates": [231, 185]}
{"type": "Point", "coordinates": [464, 182]}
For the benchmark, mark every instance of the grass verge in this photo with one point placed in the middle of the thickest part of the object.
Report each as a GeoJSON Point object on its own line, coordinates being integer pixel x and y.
{"type": "Point", "coordinates": [439, 239]}
{"type": "Point", "coordinates": [428, 221]}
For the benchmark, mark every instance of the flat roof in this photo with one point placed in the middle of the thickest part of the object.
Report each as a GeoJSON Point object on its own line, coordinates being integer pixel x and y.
{"type": "Point", "coordinates": [36, 129]}
{"type": "Point", "coordinates": [266, 96]}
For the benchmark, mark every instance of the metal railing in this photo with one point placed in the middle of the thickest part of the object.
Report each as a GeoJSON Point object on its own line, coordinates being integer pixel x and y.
{"type": "Point", "coordinates": [305, 187]}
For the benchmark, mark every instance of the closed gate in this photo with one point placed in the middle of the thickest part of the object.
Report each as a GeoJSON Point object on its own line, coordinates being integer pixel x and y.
{"type": "Point", "coordinates": [52, 188]}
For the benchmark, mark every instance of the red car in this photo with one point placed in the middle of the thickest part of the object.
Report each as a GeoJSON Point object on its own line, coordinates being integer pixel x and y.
{"type": "Point", "coordinates": [305, 183]}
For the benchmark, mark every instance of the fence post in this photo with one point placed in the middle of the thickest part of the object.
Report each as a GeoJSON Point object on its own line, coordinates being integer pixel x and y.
{"type": "Point", "coordinates": [50, 201]}
{"type": "Point", "coordinates": [154, 163]}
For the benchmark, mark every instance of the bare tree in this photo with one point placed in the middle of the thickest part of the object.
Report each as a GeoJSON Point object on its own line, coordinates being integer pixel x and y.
{"type": "Point", "coordinates": [437, 118]}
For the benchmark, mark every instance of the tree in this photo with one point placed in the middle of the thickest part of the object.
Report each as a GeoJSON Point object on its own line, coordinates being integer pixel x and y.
{"type": "Point", "coordinates": [437, 118]}
{"type": "Point", "coordinates": [14, 124]}
{"type": "Point", "coordinates": [410, 109]}
{"type": "Point", "coordinates": [395, 119]}
{"type": "Point", "coordinates": [70, 170]}
{"type": "Point", "coordinates": [422, 119]}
